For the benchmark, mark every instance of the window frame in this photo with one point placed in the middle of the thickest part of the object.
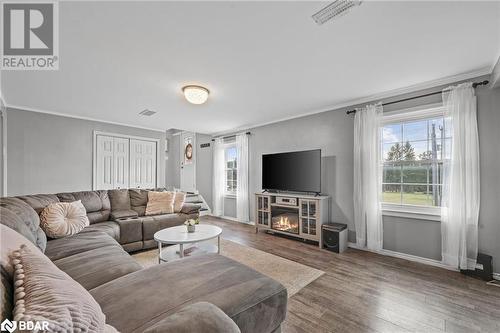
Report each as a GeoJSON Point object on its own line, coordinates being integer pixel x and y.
{"type": "Point", "coordinates": [227, 146]}
{"type": "Point", "coordinates": [406, 115]}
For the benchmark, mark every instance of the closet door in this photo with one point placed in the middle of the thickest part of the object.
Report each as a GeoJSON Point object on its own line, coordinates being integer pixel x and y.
{"type": "Point", "coordinates": [142, 164]}
{"type": "Point", "coordinates": [104, 162]}
{"type": "Point", "coordinates": [121, 162]}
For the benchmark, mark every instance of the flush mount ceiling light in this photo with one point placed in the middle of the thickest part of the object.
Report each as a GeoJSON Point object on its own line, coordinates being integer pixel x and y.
{"type": "Point", "coordinates": [335, 10]}
{"type": "Point", "coordinates": [195, 94]}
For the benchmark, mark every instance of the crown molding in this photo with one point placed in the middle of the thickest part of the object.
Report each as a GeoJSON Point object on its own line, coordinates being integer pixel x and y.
{"type": "Point", "coordinates": [25, 108]}
{"type": "Point", "coordinates": [371, 98]}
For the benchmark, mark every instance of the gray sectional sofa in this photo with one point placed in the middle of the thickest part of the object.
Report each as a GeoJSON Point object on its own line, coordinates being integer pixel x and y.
{"type": "Point", "coordinates": [181, 296]}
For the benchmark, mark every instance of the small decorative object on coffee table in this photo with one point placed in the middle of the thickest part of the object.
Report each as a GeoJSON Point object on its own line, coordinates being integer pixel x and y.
{"type": "Point", "coordinates": [191, 224]}
{"type": "Point", "coordinates": [182, 239]}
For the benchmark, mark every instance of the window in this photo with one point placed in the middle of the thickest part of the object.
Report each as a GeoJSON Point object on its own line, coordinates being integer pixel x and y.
{"type": "Point", "coordinates": [414, 146]}
{"type": "Point", "coordinates": [231, 170]}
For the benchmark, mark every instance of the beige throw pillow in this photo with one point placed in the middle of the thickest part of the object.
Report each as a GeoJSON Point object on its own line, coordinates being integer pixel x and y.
{"type": "Point", "coordinates": [160, 203]}
{"type": "Point", "coordinates": [44, 293]}
{"type": "Point", "coordinates": [63, 219]}
{"type": "Point", "coordinates": [180, 197]}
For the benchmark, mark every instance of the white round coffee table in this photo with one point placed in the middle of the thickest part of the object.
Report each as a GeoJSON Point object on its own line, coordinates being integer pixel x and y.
{"type": "Point", "coordinates": [180, 236]}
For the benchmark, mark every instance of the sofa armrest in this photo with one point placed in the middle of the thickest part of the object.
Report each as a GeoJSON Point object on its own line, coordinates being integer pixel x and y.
{"type": "Point", "coordinates": [123, 214]}
{"type": "Point", "coordinates": [199, 317]}
{"type": "Point", "coordinates": [190, 208]}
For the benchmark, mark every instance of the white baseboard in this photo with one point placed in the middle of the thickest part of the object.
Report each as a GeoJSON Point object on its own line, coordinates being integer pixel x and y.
{"type": "Point", "coordinates": [406, 256]}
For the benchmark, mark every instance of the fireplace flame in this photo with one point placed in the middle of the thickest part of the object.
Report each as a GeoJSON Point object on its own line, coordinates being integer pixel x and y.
{"type": "Point", "coordinates": [284, 223]}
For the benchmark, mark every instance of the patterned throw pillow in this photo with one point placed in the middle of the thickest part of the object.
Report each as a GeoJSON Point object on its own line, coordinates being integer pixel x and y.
{"type": "Point", "coordinates": [160, 203]}
{"type": "Point", "coordinates": [63, 219]}
{"type": "Point", "coordinates": [180, 197]}
{"type": "Point", "coordinates": [44, 293]}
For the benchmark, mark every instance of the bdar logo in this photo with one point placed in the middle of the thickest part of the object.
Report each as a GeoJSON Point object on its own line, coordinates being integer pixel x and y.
{"type": "Point", "coordinates": [30, 35]}
{"type": "Point", "coordinates": [8, 326]}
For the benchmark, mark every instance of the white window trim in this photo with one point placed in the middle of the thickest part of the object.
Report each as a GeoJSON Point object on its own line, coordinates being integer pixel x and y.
{"type": "Point", "coordinates": [228, 194]}
{"type": "Point", "coordinates": [412, 211]}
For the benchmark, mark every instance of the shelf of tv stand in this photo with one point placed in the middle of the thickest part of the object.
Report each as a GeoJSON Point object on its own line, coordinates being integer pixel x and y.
{"type": "Point", "coordinates": [312, 219]}
{"type": "Point", "coordinates": [284, 206]}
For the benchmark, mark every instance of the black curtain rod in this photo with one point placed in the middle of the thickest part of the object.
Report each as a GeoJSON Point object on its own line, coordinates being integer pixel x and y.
{"type": "Point", "coordinates": [231, 136]}
{"type": "Point", "coordinates": [474, 85]}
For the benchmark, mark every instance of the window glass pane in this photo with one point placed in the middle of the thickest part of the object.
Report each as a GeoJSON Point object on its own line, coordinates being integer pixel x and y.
{"type": "Point", "coordinates": [435, 170]}
{"type": "Point", "coordinates": [392, 151]}
{"type": "Point", "coordinates": [436, 128]}
{"type": "Point", "coordinates": [414, 150]}
{"type": "Point", "coordinates": [414, 131]}
{"type": "Point", "coordinates": [391, 193]}
{"type": "Point", "coordinates": [392, 133]}
{"type": "Point", "coordinates": [415, 173]}
{"type": "Point", "coordinates": [229, 174]}
{"type": "Point", "coordinates": [392, 173]}
{"type": "Point", "coordinates": [416, 195]}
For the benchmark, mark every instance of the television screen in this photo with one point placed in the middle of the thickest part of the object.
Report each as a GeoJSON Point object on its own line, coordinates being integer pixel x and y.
{"type": "Point", "coordinates": [294, 171]}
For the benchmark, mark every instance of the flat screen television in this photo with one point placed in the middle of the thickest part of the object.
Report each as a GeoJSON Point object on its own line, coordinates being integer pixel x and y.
{"type": "Point", "coordinates": [298, 171]}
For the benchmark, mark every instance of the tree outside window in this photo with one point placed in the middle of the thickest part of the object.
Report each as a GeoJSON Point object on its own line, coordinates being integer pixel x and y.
{"type": "Point", "coordinates": [412, 158]}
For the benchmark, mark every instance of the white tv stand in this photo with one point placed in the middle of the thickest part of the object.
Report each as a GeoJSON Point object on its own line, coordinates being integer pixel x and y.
{"type": "Point", "coordinates": [301, 215]}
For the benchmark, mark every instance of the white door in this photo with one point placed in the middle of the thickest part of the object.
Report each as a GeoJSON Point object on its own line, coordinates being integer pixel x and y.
{"type": "Point", "coordinates": [104, 162]}
{"type": "Point", "coordinates": [142, 164]}
{"type": "Point", "coordinates": [188, 162]}
{"type": "Point", "coordinates": [121, 162]}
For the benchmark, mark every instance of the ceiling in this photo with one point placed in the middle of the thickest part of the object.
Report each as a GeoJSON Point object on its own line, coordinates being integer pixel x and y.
{"type": "Point", "coordinates": [261, 61]}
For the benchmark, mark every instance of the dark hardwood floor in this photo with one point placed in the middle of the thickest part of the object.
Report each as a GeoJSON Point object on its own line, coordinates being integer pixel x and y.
{"type": "Point", "coordinates": [366, 292]}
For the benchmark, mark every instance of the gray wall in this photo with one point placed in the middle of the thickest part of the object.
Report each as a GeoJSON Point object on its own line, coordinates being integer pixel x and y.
{"type": "Point", "coordinates": [49, 154]}
{"type": "Point", "coordinates": [230, 206]}
{"type": "Point", "coordinates": [489, 140]}
{"type": "Point", "coordinates": [333, 132]}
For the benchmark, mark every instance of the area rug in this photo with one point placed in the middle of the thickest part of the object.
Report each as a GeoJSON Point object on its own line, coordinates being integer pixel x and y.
{"type": "Point", "coordinates": [292, 275]}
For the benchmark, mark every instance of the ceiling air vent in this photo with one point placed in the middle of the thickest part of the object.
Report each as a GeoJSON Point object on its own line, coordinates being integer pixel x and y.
{"type": "Point", "coordinates": [147, 113]}
{"type": "Point", "coordinates": [334, 10]}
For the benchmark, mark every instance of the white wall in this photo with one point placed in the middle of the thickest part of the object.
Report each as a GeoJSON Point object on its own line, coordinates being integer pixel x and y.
{"type": "Point", "coordinates": [50, 154]}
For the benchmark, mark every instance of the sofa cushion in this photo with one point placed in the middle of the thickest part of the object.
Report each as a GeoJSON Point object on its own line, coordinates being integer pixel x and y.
{"type": "Point", "coordinates": [48, 294]}
{"type": "Point", "coordinates": [179, 199]}
{"type": "Point", "coordinates": [152, 224]}
{"type": "Point", "coordinates": [39, 201]}
{"type": "Point", "coordinates": [96, 203]}
{"type": "Point", "coordinates": [95, 267]}
{"type": "Point", "coordinates": [109, 227]}
{"type": "Point", "coordinates": [21, 217]}
{"type": "Point", "coordinates": [255, 302]}
{"type": "Point", "coordinates": [138, 197]}
{"type": "Point", "coordinates": [120, 199]}
{"type": "Point", "coordinates": [199, 317]}
{"type": "Point", "coordinates": [61, 219]}
{"type": "Point", "coordinates": [123, 214]}
{"type": "Point", "coordinates": [81, 242]}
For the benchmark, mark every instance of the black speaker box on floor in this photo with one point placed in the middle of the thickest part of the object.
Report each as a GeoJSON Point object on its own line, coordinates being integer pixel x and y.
{"type": "Point", "coordinates": [484, 268]}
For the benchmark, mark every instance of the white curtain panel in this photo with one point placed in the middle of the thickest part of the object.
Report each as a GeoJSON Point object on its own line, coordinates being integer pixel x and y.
{"type": "Point", "coordinates": [218, 178]}
{"type": "Point", "coordinates": [242, 202]}
{"type": "Point", "coordinates": [368, 177]}
{"type": "Point", "coordinates": [460, 201]}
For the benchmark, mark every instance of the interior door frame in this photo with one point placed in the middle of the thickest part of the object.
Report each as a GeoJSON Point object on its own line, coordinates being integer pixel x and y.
{"type": "Point", "coordinates": [181, 150]}
{"type": "Point", "coordinates": [124, 136]}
